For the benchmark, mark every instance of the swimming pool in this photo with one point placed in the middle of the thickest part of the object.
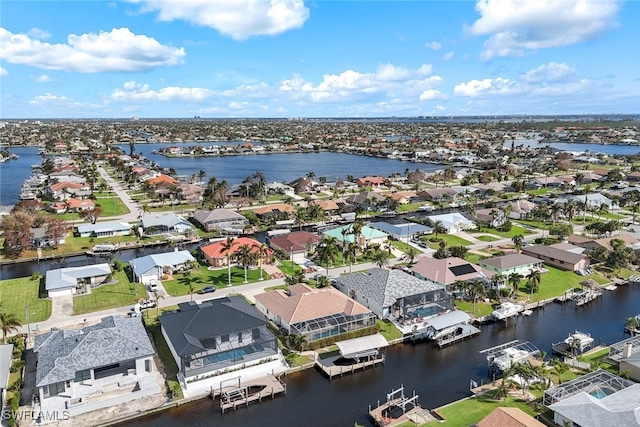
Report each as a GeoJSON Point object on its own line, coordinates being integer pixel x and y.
{"type": "Point", "coordinates": [427, 311]}
{"type": "Point", "coordinates": [600, 393]}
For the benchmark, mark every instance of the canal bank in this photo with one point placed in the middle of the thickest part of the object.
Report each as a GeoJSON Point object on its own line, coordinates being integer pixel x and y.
{"type": "Point", "coordinates": [439, 376]}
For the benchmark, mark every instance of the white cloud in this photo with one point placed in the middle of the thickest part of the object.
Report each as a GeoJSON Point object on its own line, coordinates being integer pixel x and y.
{"type": "Point", "coordinates": [63, 103]}
{"type": "Point", "coordinates": [431, 94]}
{"type": "Point", "coordinates": [132, 91]}
{"type": "Point", "coordinates": [448, 56]}
{"type": "Point", "coordinates": [516, 26]}
{"type": "Point", "coordinates": [552, 71]}
{"type": "Point", "coordinates": [433, 45]}
{"type": "Point", "coordinates": [239, 19]}
{"type": "Point", "coordinates": [117, 50]}
{"type": "Point", "coordinates": [42, 79]}
{"type": "Point", "coordinates": [37, 33]}
{"type": "Point", "coordinates": [440, 107]}
{"type": "Point", "coordinates": [476, 87]}
{"type": "Point", "coordinates": [390, 80]}
{"type": "Point", "coordinates": [3, 72]}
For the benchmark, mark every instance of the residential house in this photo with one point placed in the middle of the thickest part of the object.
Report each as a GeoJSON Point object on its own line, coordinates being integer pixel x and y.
{"type": "Point", "coordinates": [216, 255]}
{"type": "Point", "coordinates": [190, 192]}
{"type": "Point", "coordinates": [155, 266]}
{"type": "Point", "coordinates": [508, 417]}
{"type": "Point", "coordinates": [403, 232]}
{"type": "Point", "coordinates": [6, 358]}
{"type": "Point", "coordinates": [394, 293]}
{"type": "Point", "coordinates": [65, 190]}
{"type": "Point", "coordinates": [633, 176]}
{"type": "Point", "coordinates": [492, 217]}
{"type": "Point", "coordinates": [511, 263]}
{"type": "Point", "coordinates": [371, 181]}
{"type": "Point", "coordinates": [403, 197]}
{"type": "Point", "coordinates": [79, 205]}
{"type": "Point", "coordinates": [220, 339]}
{"type": "Point", "coordinates": [605, 242]}
{"type": "Point", "coordinates": [447, 272]}
{"type": "Point", "coordinates": [593, 200]}
{"type": "Point", "coordinates": [162, 181]}
{"type": "Point", "coordinates": [437, 194]}
{"type": "Point", "coordinates": [276, 212]}
{"type": "Point", "coordinates": [222, 220]}
{"type": "Point", "coordinates": [368, 200]}
{"type": "Point", "coordinates": [555, 257]}
{"type": "Point", "coordinates": [40, 238]}
{"type": "Point", "coordinates": [295, 245]}
{"type": "Point", "coordinates": [105, 229]}
{"type": "Point", "coordinates": [314, 313]}
{"type": "Point", "coordinates": [97, 366]}
{"type": "Point", "coordinates": [626, 355]}
{"type": "Point", "coordinates": [330, 207]}
{"type": "Point", "coordinates": [165, 223]}
{"type": "Point", "coordinates": [368, 236]}
{"type": "Point", "coordinates": [521, 209]}
{"type": "Point", "coordinates": [453, 222]}
{"type": "Point", "coordinates": [68, 281]}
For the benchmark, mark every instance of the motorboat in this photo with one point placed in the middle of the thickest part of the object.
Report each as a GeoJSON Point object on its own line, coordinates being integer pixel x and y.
{"type": "Point", "coordinates": [506, 310]}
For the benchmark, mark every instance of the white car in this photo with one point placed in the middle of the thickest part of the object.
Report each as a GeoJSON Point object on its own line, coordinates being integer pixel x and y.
{"type": "Point", "coordinates": [153, 285]}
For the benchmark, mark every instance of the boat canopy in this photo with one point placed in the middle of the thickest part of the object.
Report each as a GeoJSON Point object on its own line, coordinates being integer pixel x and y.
{"type": "Point", "coordinates": [362, 346]}
{"type": "Point", "coordinates": [448, 320]}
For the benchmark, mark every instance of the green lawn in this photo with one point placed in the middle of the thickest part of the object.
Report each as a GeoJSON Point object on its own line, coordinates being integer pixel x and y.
{"type": "Point", "coordinates": [505, 234]}
{"type": "Point", "coordinates": [288, 267]}
{"type": "Point", "coordinates": [539, 192]}
{"type": "Point", "coordinates": [482, 308]}
{"type": "Point", "coordinates": [175, 208]}
{"type": "Point", "coordinates": [119, 294]}
{"type": "Point", "coordinates": [467, 412]}
{"type": "Point", "coordinates": [202, 277]}
{"type": "Point", "coordinates": [388, 330]}
{"type": "Point", "coordinates": [400, 245]}
{"type": "Point", "coordinates": [112, 206]}
{"type": "Point", "coordinates": [15, 294]}
{"type": "Point", "coordinates": [170, 367]}
{"type": "Point", "coordinates": [555, 282]}
{"type": "Point", "coordinates": [408, 207]}
{"type": "Point", "coordinates": [450, 239]}
{"type": "Point", "coordinates": [474, 258]}
{"type": "Point", "coordinates": [485, 238]}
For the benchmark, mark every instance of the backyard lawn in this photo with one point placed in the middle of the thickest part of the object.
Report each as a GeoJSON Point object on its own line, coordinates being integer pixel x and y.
{"type": "Point", "coordinates": [555, 282]}
{"type": "Point", "coordinates": [450, 239]}
{"type": "Point", "coordinates": [408, 207]}
{"type": "Point", "coordinates": [15, 294]}
{"type": "Point", "coordinates": [202, 277]}
{"type": "Point", "coordinates": [106, 296]}
{"type": "Point", "coordinates": [482, 308]}
{"type": "Point", "coordinates": [388, 330]}
{"type": "Point", "coordinates": [515, 229]}
{"type": "Point", "coordinates": [164, 353]}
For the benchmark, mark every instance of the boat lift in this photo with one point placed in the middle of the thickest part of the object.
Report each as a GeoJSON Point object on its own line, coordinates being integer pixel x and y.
{"type": "Point", "coordinates": [515, 351]}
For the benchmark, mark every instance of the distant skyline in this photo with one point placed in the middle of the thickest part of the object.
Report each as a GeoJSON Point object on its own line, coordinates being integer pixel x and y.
{"type": "Point", "coordinates": [295, 58]}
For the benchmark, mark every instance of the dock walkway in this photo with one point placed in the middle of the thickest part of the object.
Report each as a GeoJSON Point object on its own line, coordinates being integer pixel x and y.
{"type": "Point", "coordinates": [334, 370]}
{"type": "Point", "coordinates": [234, 397]}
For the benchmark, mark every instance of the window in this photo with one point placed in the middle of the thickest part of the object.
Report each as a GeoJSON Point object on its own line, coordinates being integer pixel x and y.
{"type": "Point", "coordinates": [255, 333]}
{"type": "Point", "coordinates": [82, 375]}
{"type": "Point", "coordinates": [106, 368]}
{"type": "Point", "coordinates": [224, 338]}
{"type": "Point", "coordinates": [239, 336]}
{"type": "Point", "coordinates": [56, 389]}
{"type": "Point", "coordinates": [147, 365]}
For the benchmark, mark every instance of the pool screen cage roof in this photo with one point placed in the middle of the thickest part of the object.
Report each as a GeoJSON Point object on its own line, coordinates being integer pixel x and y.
{"type": "Point", "coordinates": [520, 345]}
{"type": "Point", "coordinates": [592, 382]}
{"type": "Point", "coordinates": [329, 321]}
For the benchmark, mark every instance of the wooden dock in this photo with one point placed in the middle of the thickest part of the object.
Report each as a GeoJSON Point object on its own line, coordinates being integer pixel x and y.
{"type": "Point", "coordinates": [333, 370]}
{"type": "Point", "coordinates": [588, 297]}
{"type": "Point", "coordinates": [233, 398]}
{"type": "Point", "coordinates": [394, 411]}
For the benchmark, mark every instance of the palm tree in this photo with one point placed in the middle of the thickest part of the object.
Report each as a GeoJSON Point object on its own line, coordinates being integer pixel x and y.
{"type": "Point", "coordinates": [227, 247]}
{"type": "Point", "coordinates": [632, 324]}
{"type": "Point", "coordinates": [518, 242]}
{"type": "Point", "coordinates": [534, 281]}
{"type": "Point", "coordinates": [559, 368]}
{"type": "Point", "coordinates": [477, 290]}
{"type": "Point", "coordinates": [8, 323]}
{"type": "Point", "coordinates": [297, 342]}
{"type": "Point", "coordinates": [351, 254]}
{"type": "Point", "coordinates": [514, 282]}
{"type": "Point", "coordinates": [327, 251]}
{"type": "Point", "coordinates": [158, 297]}
{"type": "Point", "coordinates": [380, 258]}
{"type": "Point", "coordinates": [439, 228]}
{"type": "Point", "coordinates": [201, 175]}
{"type": "Point", "coordinates": [323, 282]}
{"type": "Point", "coordinates": [356, 229]}
{"type": "Point", "coordinates": [300, 216]}
{"type": "Point", "coordinates": [244, 256]}
{"type": "Point", "coordinates": [411, 255]}
{"type": "Point", "coordinates": [262, 252]}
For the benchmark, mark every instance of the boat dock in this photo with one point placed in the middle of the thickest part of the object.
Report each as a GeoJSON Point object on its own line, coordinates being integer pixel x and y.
{"type": "Point", "coordinates": [234, 397]}
{"type": "Point", "coordinates": [585, 298]}
{"type": "Point", "coordinates": [399, 409]}
{"type": "Point", "coordinates": [464, 331]}
{"type": "Point", "coordinates": [336, 370]}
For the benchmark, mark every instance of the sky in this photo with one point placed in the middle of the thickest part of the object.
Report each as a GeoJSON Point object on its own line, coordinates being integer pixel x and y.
{"type": "Point", "coordinates": [297, 58]}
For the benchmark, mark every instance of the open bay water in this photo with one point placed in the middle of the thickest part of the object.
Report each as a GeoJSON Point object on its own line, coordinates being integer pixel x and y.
{"type": "Point", "coordinates": [438, 376]}
{"type": "Point", "coordinates": [13, 173]}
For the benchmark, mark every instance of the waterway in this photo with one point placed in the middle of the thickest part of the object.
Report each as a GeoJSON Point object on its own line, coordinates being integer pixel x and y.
{"type": "Point", "coordinates": [13, 173]}
{"type": "Point", "coordinates": [438, 376]}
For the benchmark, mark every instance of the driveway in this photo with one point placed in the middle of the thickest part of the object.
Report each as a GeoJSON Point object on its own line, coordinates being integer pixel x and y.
{"type": "Point", "coordinates": [61, 306]}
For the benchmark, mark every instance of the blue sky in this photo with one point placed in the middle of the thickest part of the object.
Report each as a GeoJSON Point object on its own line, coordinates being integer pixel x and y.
{"type": "Point", "coordinates": [295, 58]}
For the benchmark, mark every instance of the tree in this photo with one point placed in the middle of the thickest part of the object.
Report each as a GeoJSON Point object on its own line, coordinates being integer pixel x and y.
{"type": "Point", "coordinates": [227, 247]}
{"type": "Point", "coordinates": [356, 230]}
{"type": "Point", "coordinates": [92, 215]}
{"type": "Point", "coordinates": [8, 323]}
{"type": "Point", "coordinates": [380, 258]}
{"type": "Point", "coordinates": [411, 254]}
{"type": "Point", "coordinates": [351, 254]}
{"type": "Point", "coordinates": [514, 281]}
{"type": "Point", "coordinates": [57, 228]}
{"type": "Point", "coordinates": [518, 242]}
{"type": "Point", "coordinates": [327, 251]}
{"type": "Point", "coordinates": [559, 368]}
{"type": "Point", "coordinates": [244, 256]}
{"type": "Point", "coordinates": [561, 230]}
{"type": "Point", "coordinates": [533, 282]}
{"type": "Point", "coordinates": [300, 217]}
{"type": "Point", "coordinates": [297, 342]}
{"type": "Point", "coordinates": [323, 282]}
{"type": "Point", "coordinates": [459, 251]}
{"type": "Point", "coordinates": [439, 228]}
{"type": "Point", "coordinates": [16, 230]}
{"type": "Point", "coordinates": [263, 250]}
{"type": "Point", "coordinates": [476, 290]}
{"type": "Point", "coordinates": [620, 254]}
{"type": "Point", "coordinates": [632, 324]}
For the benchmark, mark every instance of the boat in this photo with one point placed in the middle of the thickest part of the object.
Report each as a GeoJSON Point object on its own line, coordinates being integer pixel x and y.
{"type": "Point", "coordinates": [503, 356]}
{"type": "Point", "coordinates": [576, 342]}
{"type": "Point", "coordinates": [506, 310]}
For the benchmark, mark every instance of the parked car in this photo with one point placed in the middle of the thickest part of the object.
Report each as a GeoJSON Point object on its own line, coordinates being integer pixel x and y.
{"type": "Point", "coordinates": [153, 285]}
{"type": "Point", "coordinates": [145, 304]}
{"type": "Point", "coordinates": [207, 290]}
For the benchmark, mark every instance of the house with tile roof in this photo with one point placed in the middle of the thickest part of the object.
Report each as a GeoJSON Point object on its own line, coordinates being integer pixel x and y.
{"type": "Point", "coordinates": [368, 235]}
{"type": "Point", "coordinates": [222, 220]}
{"type": "Point", "coordinates": [394, 293]}
{"type": "Point", "coordinates": [447, 271]}
{"type": "Point", "coordinates": [216, 255]}
{"type": "Point", "coordinates": [511, 263]}
{"type": "Point", "coordinates": [93, 367]}
{"type": "Point", "coordinates": [314, 313]}
{"type": "Point", "coordinates": [295, 245]}
{"type": "Point", "coordinates": [509, 417]}
{"type": "Point", "coordinates": [219, 339]}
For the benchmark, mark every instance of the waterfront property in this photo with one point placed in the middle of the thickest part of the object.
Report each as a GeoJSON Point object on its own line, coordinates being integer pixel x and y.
{"type": "Point", "coordinates": [395, 294]}
{"type": "Point", "coordinates": [295, 245]}
{"type": "Point", "coordinates": [511, 263]}
{"type": "Point", "coordinates": [509, 417]}
{"type": "Point", "coordinates": [453, 222]}
{"type": "Point", "coordinates": [598, 398]}
{"type": "Point", "coordinates": [402, 232]}
{"type": "Point", "coordinates": [71, 280]}
{"type": "Point", "coordinates": [216, 254]}
{"type": "Point", "coordinates": [559, 258]}
{"type": "Point", "coordinates": [155, 266]}
{"type": "Point", "coordinates": [105, 229]}
{"type": "Point", "coordinates": [222, 220]}
{"type": "Point", "coordinates": [41, 238]}
{"type": "Point", "coordinates": [367, 236]}
{"type": "Point", "coordinates": [449, 271]}
{"type": "Point", "coordinates": [626, 355]}
{"type": "Point", "coordinates": [6, 356]}
{"type": "Point", "coordinates": [314, 313]}
{"type": "Point", "coordinates": [94, 367]}
{"type": "Point", "coordinates": [165, 223]}
{"type": "Point", "coordinates": [218, 342]}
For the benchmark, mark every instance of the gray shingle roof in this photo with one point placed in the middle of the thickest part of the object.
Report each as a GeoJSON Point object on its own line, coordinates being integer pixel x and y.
{"type": "Point", "coordinates": [6, 354]}
{"type": "Point", "coordinates": [384, 287]}
{"type": "Point", "coordinates": [62, 353]}
{"type": "Point", "coordinates": [167, 220]}
{"type": "Point", "coordinates": [68, 277]}
{"type": "Point", "coordinates": [205, 216]}
{"type": "Point", "coordinates": [167, 259]}
{"type": "Point", "coordinates": [194, 324]}
{"type": "Point", "coordinates": [112, 226]}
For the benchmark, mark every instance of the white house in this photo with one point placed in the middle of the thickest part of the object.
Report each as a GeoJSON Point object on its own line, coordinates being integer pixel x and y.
{"type": "Point", "coordinates": [154, 266]}
{"type": "Point", "coordinates": [67, 281]}
{"type": "Point", "coordinates": [453, 222]}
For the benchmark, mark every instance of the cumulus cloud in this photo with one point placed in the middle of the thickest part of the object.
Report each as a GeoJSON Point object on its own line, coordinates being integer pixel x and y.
{"type": "Point", "coordinates": [39, 34]}
{"type": "Point", "coordinates": [3, 72]}
{"type": "Point", "coordinates": [133, 91]}
{"type": "Point", "coordinates": [390, 80]}
{"type": "Point", "coordinates": [433, 45]}
{"type": "Point", "coordinates": [431, 94]}
{"type": "Point", "coordinates": [447, 56]}
{"type": "Point", "coordinates": [517, 26]}
{"type": "Point", "coordinates": [42, 79]}
{"type": "Point", "coordinates": [63, 103]}
{"type": "Point", "coordinates": [117, 50]}
{"type": "Point", "coordinates": [239, 19]}
{"type": "Point", "coordinates": [548, 80]}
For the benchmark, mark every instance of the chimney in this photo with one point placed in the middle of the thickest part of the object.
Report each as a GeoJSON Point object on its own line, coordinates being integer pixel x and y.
{"type": "Point", "coordinates": [626, 353]}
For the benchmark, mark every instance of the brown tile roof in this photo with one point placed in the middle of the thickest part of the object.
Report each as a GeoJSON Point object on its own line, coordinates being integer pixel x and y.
{"type": "Point", "coordinates": [282, 207]}
{"type": "Point", "coordinates": [510, 261]}
{"type": "Point", "coordinates": [439, 270]}
{"type": "Point", "coordinates": [509, 417]}
{"type": "Point", "coordinates": [306, 303]}
{"type": "Point", "coordinates": [216, 250]}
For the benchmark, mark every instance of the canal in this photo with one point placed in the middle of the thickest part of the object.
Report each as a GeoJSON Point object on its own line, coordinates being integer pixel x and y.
{"type": "Point", "coordinates": [438, 376]}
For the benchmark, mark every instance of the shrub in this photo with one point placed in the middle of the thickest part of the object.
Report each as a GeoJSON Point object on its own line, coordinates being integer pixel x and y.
{"type": "Point", "coordinates": [17, 365]}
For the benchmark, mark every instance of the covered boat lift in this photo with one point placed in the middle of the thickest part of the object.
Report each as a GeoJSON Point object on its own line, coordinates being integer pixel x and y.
{"type": "Point", "coordinates": [362, 347]}
{"type": "Point", "coordinates": [447, 328]}
{"type": "Point", "coordinates": [502, 356]}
